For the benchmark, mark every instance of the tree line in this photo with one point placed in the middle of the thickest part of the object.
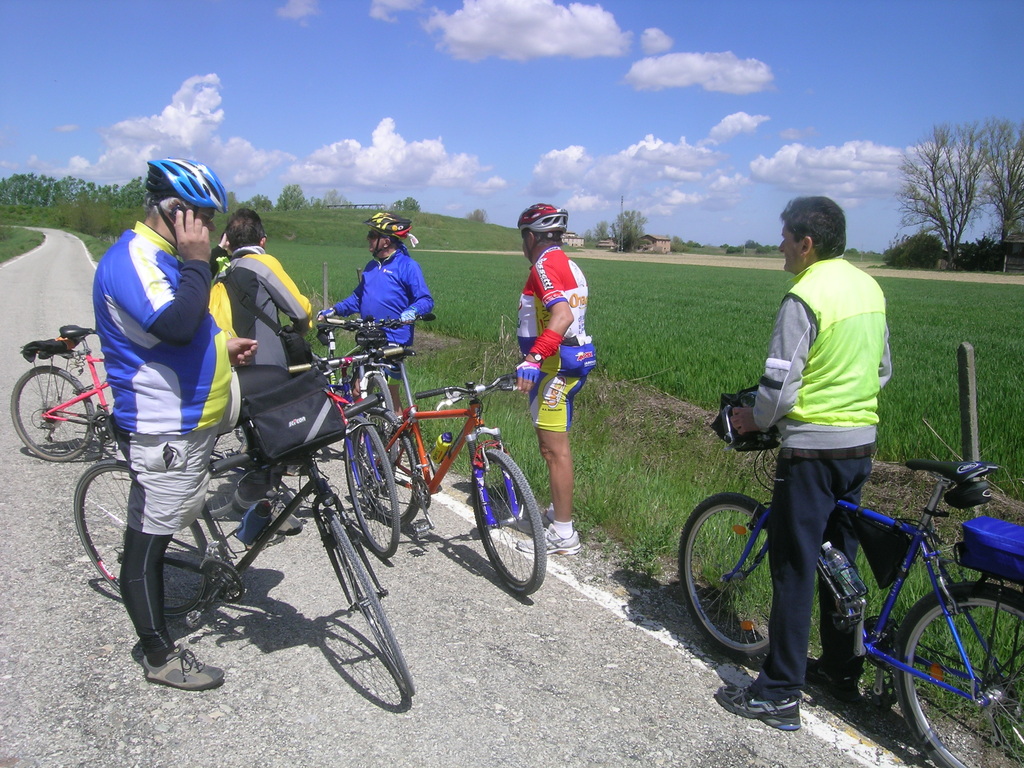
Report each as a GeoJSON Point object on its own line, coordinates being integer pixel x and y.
{"type": "Point", "coordinates": [957, 174]}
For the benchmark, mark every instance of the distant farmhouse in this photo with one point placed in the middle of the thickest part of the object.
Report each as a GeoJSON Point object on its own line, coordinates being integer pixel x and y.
{"type": "Point", "coordinates": [572, 240]}
{"type": "Point", "coordinates": [1014, 245]}
{"type": "Point", "coordinates": [608, 244]}
{"type": "Point", "coordinates": [655, 244]}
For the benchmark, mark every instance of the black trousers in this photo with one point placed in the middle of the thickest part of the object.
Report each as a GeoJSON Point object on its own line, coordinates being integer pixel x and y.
{"type": "Point", "coordinates": [804, 515]}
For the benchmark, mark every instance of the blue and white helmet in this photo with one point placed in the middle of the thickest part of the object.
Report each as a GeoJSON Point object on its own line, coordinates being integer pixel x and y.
{"type": "Point", "coordinates": [191, 181]}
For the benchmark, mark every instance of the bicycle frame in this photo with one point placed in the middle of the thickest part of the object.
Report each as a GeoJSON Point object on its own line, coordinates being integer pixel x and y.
{"type": "Point", "coordinates": [81, 361]}
{"type": "Point", "coordinates": [872, 641]}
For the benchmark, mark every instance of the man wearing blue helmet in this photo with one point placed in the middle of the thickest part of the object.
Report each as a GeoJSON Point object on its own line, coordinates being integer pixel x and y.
{"type": "Point", "coordinates": [169, 367]}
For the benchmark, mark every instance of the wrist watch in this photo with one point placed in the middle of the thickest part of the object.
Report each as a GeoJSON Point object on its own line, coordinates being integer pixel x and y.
{"type": "Point", "coordinates": [533, 357]}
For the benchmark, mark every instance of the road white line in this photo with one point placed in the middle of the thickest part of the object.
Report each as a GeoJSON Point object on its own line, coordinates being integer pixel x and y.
{"type": "Point", "coordinates": [850, 742]}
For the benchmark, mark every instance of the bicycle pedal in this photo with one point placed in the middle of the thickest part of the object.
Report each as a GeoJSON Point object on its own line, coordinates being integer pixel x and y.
{"type": "Point", "coordinates": [420, 527]}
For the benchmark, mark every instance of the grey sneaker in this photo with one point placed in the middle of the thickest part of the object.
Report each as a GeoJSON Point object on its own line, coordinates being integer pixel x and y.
{"type": "Point", "coordinates": [183, 670]}
{"type": "Point", "coordinates": [783, 714]}
{"type": "Point", "coordinates": [523, 525]}
{"type": "Point", "coordinates": [556, 544]}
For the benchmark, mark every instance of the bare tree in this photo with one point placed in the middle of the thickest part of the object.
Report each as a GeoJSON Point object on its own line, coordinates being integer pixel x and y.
{"type": "Point", "coordinates": [1003, 147]}
{"type": "Point", "coordinates": [942, 178]}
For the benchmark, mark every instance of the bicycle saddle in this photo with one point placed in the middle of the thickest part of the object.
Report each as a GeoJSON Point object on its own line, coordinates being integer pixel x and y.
{"type": "Point", "coordinates": [956, 471]}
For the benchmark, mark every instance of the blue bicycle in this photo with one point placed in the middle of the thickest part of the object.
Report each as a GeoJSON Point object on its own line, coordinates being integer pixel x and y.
{"type": "Point", "coordinates": [956, 657]}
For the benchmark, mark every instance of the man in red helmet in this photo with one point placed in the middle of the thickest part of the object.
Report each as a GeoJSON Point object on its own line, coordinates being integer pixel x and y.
{"type": "Point", "coordinates": [557, 356]}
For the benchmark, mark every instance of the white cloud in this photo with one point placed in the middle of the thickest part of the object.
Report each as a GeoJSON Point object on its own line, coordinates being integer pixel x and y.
{"type": "Point", "coordinates": [653, 41]}
{"type": "Point", "coordinates": [299, 10]}
{"type": "Point", "coordinates": [733, 125]}
{"type": "Point", "coordinates": [851, 172]}
{"type": "Point", "coordinates": [654, 175]}
{"type": "Point", "coordinates": [712, 71]}
{"type": "Point", "coordinates": [522, 30]}
{"type": "Point", "coordinates": [187, 127]}
{"type": "Point", "coordinates": [389, 163]}
{"type": "Point", "coordinates": [797, 134]}
{"type": "Point", "coordinates": [384, 10]}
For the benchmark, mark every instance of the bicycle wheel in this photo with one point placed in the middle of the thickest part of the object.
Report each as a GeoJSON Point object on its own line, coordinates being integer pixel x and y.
{"type": "Point", "coordinates": [954, 730]}
{"type": "Point", "coordinates": [413, 495]}
{"type": "Point", "coordinates": [732, 613]}
{"type": "Point", "coordinates": [351, 571]}
{"type": "Point", "coordinates": [54, 439]}
{"type": "Point", "coordinates": [101, 511]}
{"type": "Point", "coordinates": [371, 484]}
{"type": "Point", "coordinates": [376, 383]}
{"type": "Point", "coordinates": [509, 521]}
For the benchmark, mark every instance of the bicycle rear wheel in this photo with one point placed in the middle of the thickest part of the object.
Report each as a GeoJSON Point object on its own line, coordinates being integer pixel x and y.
{"type": "Point", "coordinates": [413, 495]}
{"type": "Point", "coordinates": [101, 512]}
{"type": "Point", "coordinates": [954, 730]}
{"type": "Point", "coordinates": [371, 483]}
{"type": "Point", "coordinates": [509, 521]}
{"type": "Point", "coordinates": [54, 439]}
{"type": "Point", "coordinates": [357, 584]}
{"type": "Point", "coordinates": [732, 613]}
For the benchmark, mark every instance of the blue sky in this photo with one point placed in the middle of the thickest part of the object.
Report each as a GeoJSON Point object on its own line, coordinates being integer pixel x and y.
{"type": "Point", "coordinates": [704, 116]}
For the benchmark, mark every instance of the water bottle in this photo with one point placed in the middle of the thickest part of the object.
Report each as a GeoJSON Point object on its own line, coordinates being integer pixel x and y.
{"type": "Point", "coordinates": [444, 442]}
{"type": "Point", "coordinates": [848, 590]}
{"type": "Point", "coordinates": [254, 521]}
{"type": "Point", "coordinates": [842, 572]}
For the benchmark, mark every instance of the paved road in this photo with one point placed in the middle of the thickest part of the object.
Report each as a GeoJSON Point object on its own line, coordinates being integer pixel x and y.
{"type": "Point", "coordinates": [561, 679]}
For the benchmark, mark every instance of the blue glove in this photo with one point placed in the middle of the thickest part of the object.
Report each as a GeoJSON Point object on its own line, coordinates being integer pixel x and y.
{"type": "Point", "coordinates": [530, 371]}
{"type": "Point", "coordinates": [325, 313]}
{"type": "Point", "coordinates": [408, 316]}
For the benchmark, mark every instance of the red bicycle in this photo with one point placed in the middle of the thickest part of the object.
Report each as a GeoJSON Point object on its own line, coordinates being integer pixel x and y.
{"type": "Point", "coordinates": [56, 416]}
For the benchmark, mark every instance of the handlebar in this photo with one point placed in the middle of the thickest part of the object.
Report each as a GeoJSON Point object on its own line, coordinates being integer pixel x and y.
{"type": "Point", "coordinates": [327, 364]}
{"type": "Point", "coordinates": [361, 323]}
{"type": "Point", "coordinates": [368, 402]}
{"type": "Point", "coordinates": [506, 382]}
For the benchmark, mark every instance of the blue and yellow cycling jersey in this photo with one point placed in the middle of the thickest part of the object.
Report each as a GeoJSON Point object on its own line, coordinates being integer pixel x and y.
{"type": "Point", "coordinates": [158, 387]}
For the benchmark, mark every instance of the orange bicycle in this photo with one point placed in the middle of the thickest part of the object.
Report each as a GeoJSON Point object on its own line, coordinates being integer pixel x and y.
{"type": "Point", "coordinates": [506, 511]}
{"type": "Point", "coordinates": [56, 416]}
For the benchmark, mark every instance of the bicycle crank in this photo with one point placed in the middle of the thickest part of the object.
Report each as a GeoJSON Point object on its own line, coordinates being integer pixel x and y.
{"type": "Point", "coordinates": [224, 581]}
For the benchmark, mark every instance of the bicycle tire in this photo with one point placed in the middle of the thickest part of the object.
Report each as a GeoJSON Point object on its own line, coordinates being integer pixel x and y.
{"type": "Point", "coordinates": [413, 495]}
{"type": "Point", "coordinates": [371, 485]}
{"type": "Point", "coordinates": [100, 509]}
{"type": "Point", "coordinates": [732, 615]}
{"type": "Point", "coordinates": [956, 732]}
{"type": "Point", "coordinates": [42, 388]}
{"type": "Point", "coordinates": [376, 383]}
{"type": "Point", "coordinates": [509, 521]}
{"type": "Point", "coordinates": [349, 567]}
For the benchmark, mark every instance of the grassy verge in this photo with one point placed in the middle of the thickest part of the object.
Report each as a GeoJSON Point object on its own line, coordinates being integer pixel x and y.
{"type": "Point", "coordinates": [15, 241]}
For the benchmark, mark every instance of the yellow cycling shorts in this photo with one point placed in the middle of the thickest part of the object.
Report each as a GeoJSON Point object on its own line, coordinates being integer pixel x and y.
{"type": "Point", "coordinates": [551, 401]}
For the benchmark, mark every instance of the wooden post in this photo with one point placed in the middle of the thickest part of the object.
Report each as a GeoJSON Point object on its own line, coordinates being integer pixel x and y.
{"type": "Point", "coordinates": [966, 373]}
{"type": "Point", "coordinates": [325, 303]}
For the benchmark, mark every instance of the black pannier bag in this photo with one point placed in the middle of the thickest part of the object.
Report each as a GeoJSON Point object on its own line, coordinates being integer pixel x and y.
{"type": "Point", "coordinates": [884, 547]}
{"type": "Point", "coordinates": [292, 419]}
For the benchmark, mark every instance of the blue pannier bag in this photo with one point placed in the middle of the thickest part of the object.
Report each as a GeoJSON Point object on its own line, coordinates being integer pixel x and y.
{"type": "Point", "coordinates": [993, 546]}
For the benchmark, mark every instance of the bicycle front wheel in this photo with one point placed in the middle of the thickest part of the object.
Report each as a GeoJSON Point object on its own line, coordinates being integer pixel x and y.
{"type": "Point", "coordinates": [509, 521]}
{"type": "Point", "coordinates": [371, 484]}
{"type": "Point", "coordinates": [361, 590]}
{"type": "Point", "coordinates": [413, 495]}
{"type": "Point", "coordinates": [376, 383]}
{"type": "Point", "coordinates": [983, 724]}
{"type": "Point", "coordinates": [728, 594]}
{"type": "Point", "coordinates": [63, 436]}
{"type": "Point", "coordinates": [101, 513]}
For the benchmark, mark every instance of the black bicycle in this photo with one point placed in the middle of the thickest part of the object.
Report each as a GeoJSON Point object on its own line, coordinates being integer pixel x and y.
{"type": "Point", "coordinates": [204, 564]}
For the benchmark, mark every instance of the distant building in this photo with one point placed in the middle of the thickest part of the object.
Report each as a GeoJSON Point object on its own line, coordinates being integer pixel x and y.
{"type": "Point", "coordinates": [1014, 245]}
{"type": "Point", "coordinates": [572, 240]}
{"type": "Point", "coordinates": [608, 244]}
{"type": "Point", "coordinates": [655, 244]}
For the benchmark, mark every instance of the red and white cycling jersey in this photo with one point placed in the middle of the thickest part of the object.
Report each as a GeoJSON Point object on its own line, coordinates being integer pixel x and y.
{"type": "Point", "coordinates": [553, 278]}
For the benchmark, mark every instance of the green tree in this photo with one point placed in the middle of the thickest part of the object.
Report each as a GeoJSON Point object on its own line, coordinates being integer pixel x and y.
{"type": "Point", "coordinates": [259, 203]}
{"type": "Point", "coordinates": [628, 229]}
{"type": "Point", "coordinates": [291, 199]}
{"type": "Point", "coordinates": [941, 183]}
{"type": "Point", "coordinates": [332, 199]}
{"type": "Point", "coordinates": [920, 251]}
{"type": "Point", "coordinates": [408, 205]}
{"type": "Point", "coordinates": [1003, 150]}
{"type": "Point", "coordinates": [985, 255]}
{"type": "Point", "coordinates": [478, 215]}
